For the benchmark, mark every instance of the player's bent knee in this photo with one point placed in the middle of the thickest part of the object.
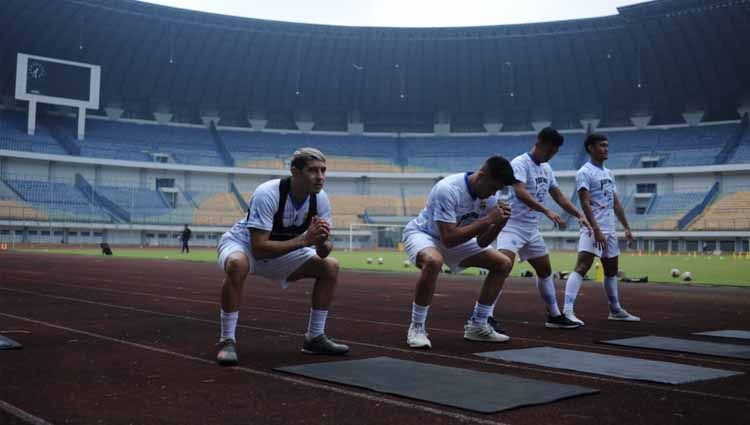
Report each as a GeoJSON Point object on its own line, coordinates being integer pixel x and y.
{"type": "Point", "coordinates": [237, 265]}
{"type": "Point", "coordinates": [431, 263]}
{"type": "Point", "coordinates": [332, 266]}
{"type": "Point", "coordinates": [502, 264]}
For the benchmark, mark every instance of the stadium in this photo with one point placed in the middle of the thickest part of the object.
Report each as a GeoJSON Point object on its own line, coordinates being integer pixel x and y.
{"type": "Point", "coordinates": [122, 122]}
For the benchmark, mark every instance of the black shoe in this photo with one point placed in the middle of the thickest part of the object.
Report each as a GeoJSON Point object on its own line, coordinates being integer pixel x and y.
{"type": "Point", "coordinates": [322, 345]}
{"type": "Point", "coordinates": [560, 322]}
{"type": "Point", "coordinates": [496, 325]}
{"type": "Point", "coordinates": [227, 355]}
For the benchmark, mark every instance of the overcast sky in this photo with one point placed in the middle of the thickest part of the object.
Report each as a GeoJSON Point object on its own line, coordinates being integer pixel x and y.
{"type": "Point", "coordinates": [407, 13]}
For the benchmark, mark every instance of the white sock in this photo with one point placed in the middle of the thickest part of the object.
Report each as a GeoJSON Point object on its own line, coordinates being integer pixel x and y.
{"type": "Point", "coordinates": [610, 288]}
{"type": "Point", "coordinates": [547, 290]}
{"type": "Point", "coordinates": [317, 324]}
{"type": "Point", "coordinates": [481, 313]}
{"type": "Point", "coordinates": [229, 324]}
{"type": "Point", "coordinates": [572, 286]}
{"type": "Point", "coordinates": [419, 314]}
{"type": "Point", "coordinates": [495, 303]}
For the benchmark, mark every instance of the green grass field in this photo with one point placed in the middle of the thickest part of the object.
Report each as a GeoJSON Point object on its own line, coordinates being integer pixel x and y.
{"type": "Point", "coordinates": [706, 270]}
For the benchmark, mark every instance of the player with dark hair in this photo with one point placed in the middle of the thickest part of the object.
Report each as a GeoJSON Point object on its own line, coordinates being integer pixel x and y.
{"type": "Point", "coordinates": [598, 194]}
{"type": "Point", "coordinates": [461, 219]}
{"type": "Point", "coordinates": [521, 237]}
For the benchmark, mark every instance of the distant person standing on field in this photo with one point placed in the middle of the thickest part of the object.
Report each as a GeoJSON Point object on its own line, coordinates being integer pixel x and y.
{"type": "Point", "coordinates": [185, 237]}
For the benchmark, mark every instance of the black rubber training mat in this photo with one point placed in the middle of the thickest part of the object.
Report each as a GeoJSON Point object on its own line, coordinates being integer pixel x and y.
{"type": "Point", "coordinates": [608, 365]}
{"type": "Point", "coordinates": [8, 344]}
{"type": "Point", "coordinates": [732, 351]}
{"type": "Point", "coordinates": [727, 334]}
{"type": "Point", "coordinates": [449, 386]}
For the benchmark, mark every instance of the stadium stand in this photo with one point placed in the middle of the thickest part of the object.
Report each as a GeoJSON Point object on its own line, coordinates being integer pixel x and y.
{"type": "Point", "coordinates": [13, 135]}
{"type": "Point", "coordinates": [730, 212]}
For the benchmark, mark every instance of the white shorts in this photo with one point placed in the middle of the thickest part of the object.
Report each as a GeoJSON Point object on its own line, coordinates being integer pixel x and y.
{"type": "Point", "coordinates": [416, 241]}
{"type": "Point", "coordinates": [274, 269]}
{"type": "Point", "coordinates": [587, 244]}
{"type": "Point", "coordinates": [526, 244]}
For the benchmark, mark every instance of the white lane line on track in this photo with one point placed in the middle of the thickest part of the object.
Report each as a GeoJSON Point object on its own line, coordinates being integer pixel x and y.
{"type": "Point", "coordinates": [369, 397]}
{"type": "Point", "coordinates": [602, 347]}
{"type": "Point", "coordinates": [22, 414]}
{"type": "Point", "coordinates": [399, 349]}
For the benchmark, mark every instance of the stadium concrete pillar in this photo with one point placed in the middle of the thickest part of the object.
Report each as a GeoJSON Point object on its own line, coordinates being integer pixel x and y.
{"type": "Point", "coordinates": [143, 178]}
{"type": "Point", "coordinates": [51, 171]}
{"type": "Point", "coordinates": [641, 121]}
{"type": "Point", "coordinates": [590, 124]}
{"type": "Point", "coordinates": [98, 175]}
{"type": "Point", "coordinates": [3, 167]}
{"type": "Point", "coordinates": [114, 112]}
{"type": "Point", "coordinates": [355, 124]}
{"type": "Point", "coordinates": [212, 118]}
{"type": "Point", "coordinates": [81, 123]}
{"type": "Point", "coordinates": [693, 118]}
{"type": "Point", "coordinates": [257, 120]}
{"type": "Point", "coordinates": [744, 111]}
{"type": "Point", "coordinates": [188, 184]}
{"type": "Point", "coordinates": [305, 125]}
{"type": "Point", "coordinates": [442, 123]}
{"type": "Point", "coordinates": [31, 127]}
{"type": "Point", "coordinates": [493, 127]}
{"type": "Point", "coordinates": [539, 125]}
{"type": "Point", "coordinates": [163, 117]}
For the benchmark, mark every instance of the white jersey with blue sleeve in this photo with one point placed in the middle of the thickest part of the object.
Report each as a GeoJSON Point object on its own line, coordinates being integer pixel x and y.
{"type": "Point", "coordinates": [600, 183]}
{"type": "Point", "coordinates": [538, 179]}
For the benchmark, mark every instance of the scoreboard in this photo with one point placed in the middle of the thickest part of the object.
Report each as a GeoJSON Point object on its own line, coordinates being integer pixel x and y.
{"type": "Point", "coordinates": [56, 81]}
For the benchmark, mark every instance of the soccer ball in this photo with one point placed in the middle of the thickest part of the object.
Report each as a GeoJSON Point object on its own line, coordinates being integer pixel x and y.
{"type": "Point", "coordinates": [380, 260]}
{"type": "Point", "coordinates": [406, 264]}
{"type": "Point", "coordinates": [687, 276]}
{"type": "Point", "coordinates": [675, 272]}
{"type": "Point", "coordinates": [369, 260]}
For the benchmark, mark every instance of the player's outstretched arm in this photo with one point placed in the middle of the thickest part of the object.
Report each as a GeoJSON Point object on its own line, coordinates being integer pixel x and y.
{"type": "Point", "coordinates": [568, 206]}
{"type": "Point", "coordinates": [523, 194]}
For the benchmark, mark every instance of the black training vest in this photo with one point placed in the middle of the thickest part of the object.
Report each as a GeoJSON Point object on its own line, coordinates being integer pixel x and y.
{"type": "Point", "coordinates": [281, 233]}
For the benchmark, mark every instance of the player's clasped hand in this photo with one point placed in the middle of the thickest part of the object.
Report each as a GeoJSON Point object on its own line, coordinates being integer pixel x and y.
{"type": "Point", "coordinates": [318, 232]}
{"type": "Point", "coordinates": [500, 214]}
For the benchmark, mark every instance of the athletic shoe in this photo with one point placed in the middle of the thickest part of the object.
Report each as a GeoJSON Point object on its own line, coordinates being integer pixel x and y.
{"type": "Point", "coordinates": [417, 337]}
{"type": "Point", "coordinates": [322, 345]}
{"type": "Point", "coordinates": [495, 325]}
{"type": "Point", "coordinates": [623, 316]}
{"type": "Point", "coordinates": [483, 333]}
{"type": "Point", "coordinates": [572, 317]}
{"type": "Point", "coordinates": [227, 355]}
{"type": "Point", "coordinates": [560, 322]}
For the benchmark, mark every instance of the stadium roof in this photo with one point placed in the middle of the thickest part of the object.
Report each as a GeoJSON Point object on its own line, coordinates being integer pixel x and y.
{"type": "Point", "coordinates": [659, 58]}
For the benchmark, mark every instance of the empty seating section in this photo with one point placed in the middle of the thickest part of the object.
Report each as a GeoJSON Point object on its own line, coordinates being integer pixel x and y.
{"type": "Point", "coordinates": [59, 201]}
{"type": "Point", "coordinates": [142, 204]}
{"type": "Point", "coordinates": [731, 212]}
{"type": "Point", "coordinates": [348, 209]}
{"type": "Point", "coordinates": [684, 146]}
{"type": "Point", "coordinates": [136, 142]}
{"type": "Point", "coordinates": [666, 210]}
{"type": "Point", "coordinates": [742, 154]}
{"type": "Point", "coordinates": [216, 209]}
{"type": "Point", "coordinates": [272, 150]}
{"type": "Point", "coordinates": [13, 135]}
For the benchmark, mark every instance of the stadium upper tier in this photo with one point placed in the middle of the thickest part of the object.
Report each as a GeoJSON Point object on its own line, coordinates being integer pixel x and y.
{"type": "Point", "coordinates": [681, 146]}
{"type": "Point", "coordinates": [660, 58]}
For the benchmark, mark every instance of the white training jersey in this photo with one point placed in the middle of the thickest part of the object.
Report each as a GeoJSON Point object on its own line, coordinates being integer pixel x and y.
{"type": "Point", "coordinates": [451, 201]}
{"type": "Point", "coordinates": [539, 179]}
{"type": "Point", "coordinates": [264, 204]}
{"type": "Point", "coordinates": [600, 183]}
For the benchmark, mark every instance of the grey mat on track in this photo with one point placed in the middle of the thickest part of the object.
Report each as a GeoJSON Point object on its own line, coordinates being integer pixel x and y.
{"type": "Point", "coordinates": [727, 334]}
{"type": "Point", "coordinates": [732, 351]}
{"type": "Point", "coordinates": [608, 365]}
{"type": "Point", "coordinates": [461, 388]}
{"type": "Point", "coordinates": [8, 344]}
